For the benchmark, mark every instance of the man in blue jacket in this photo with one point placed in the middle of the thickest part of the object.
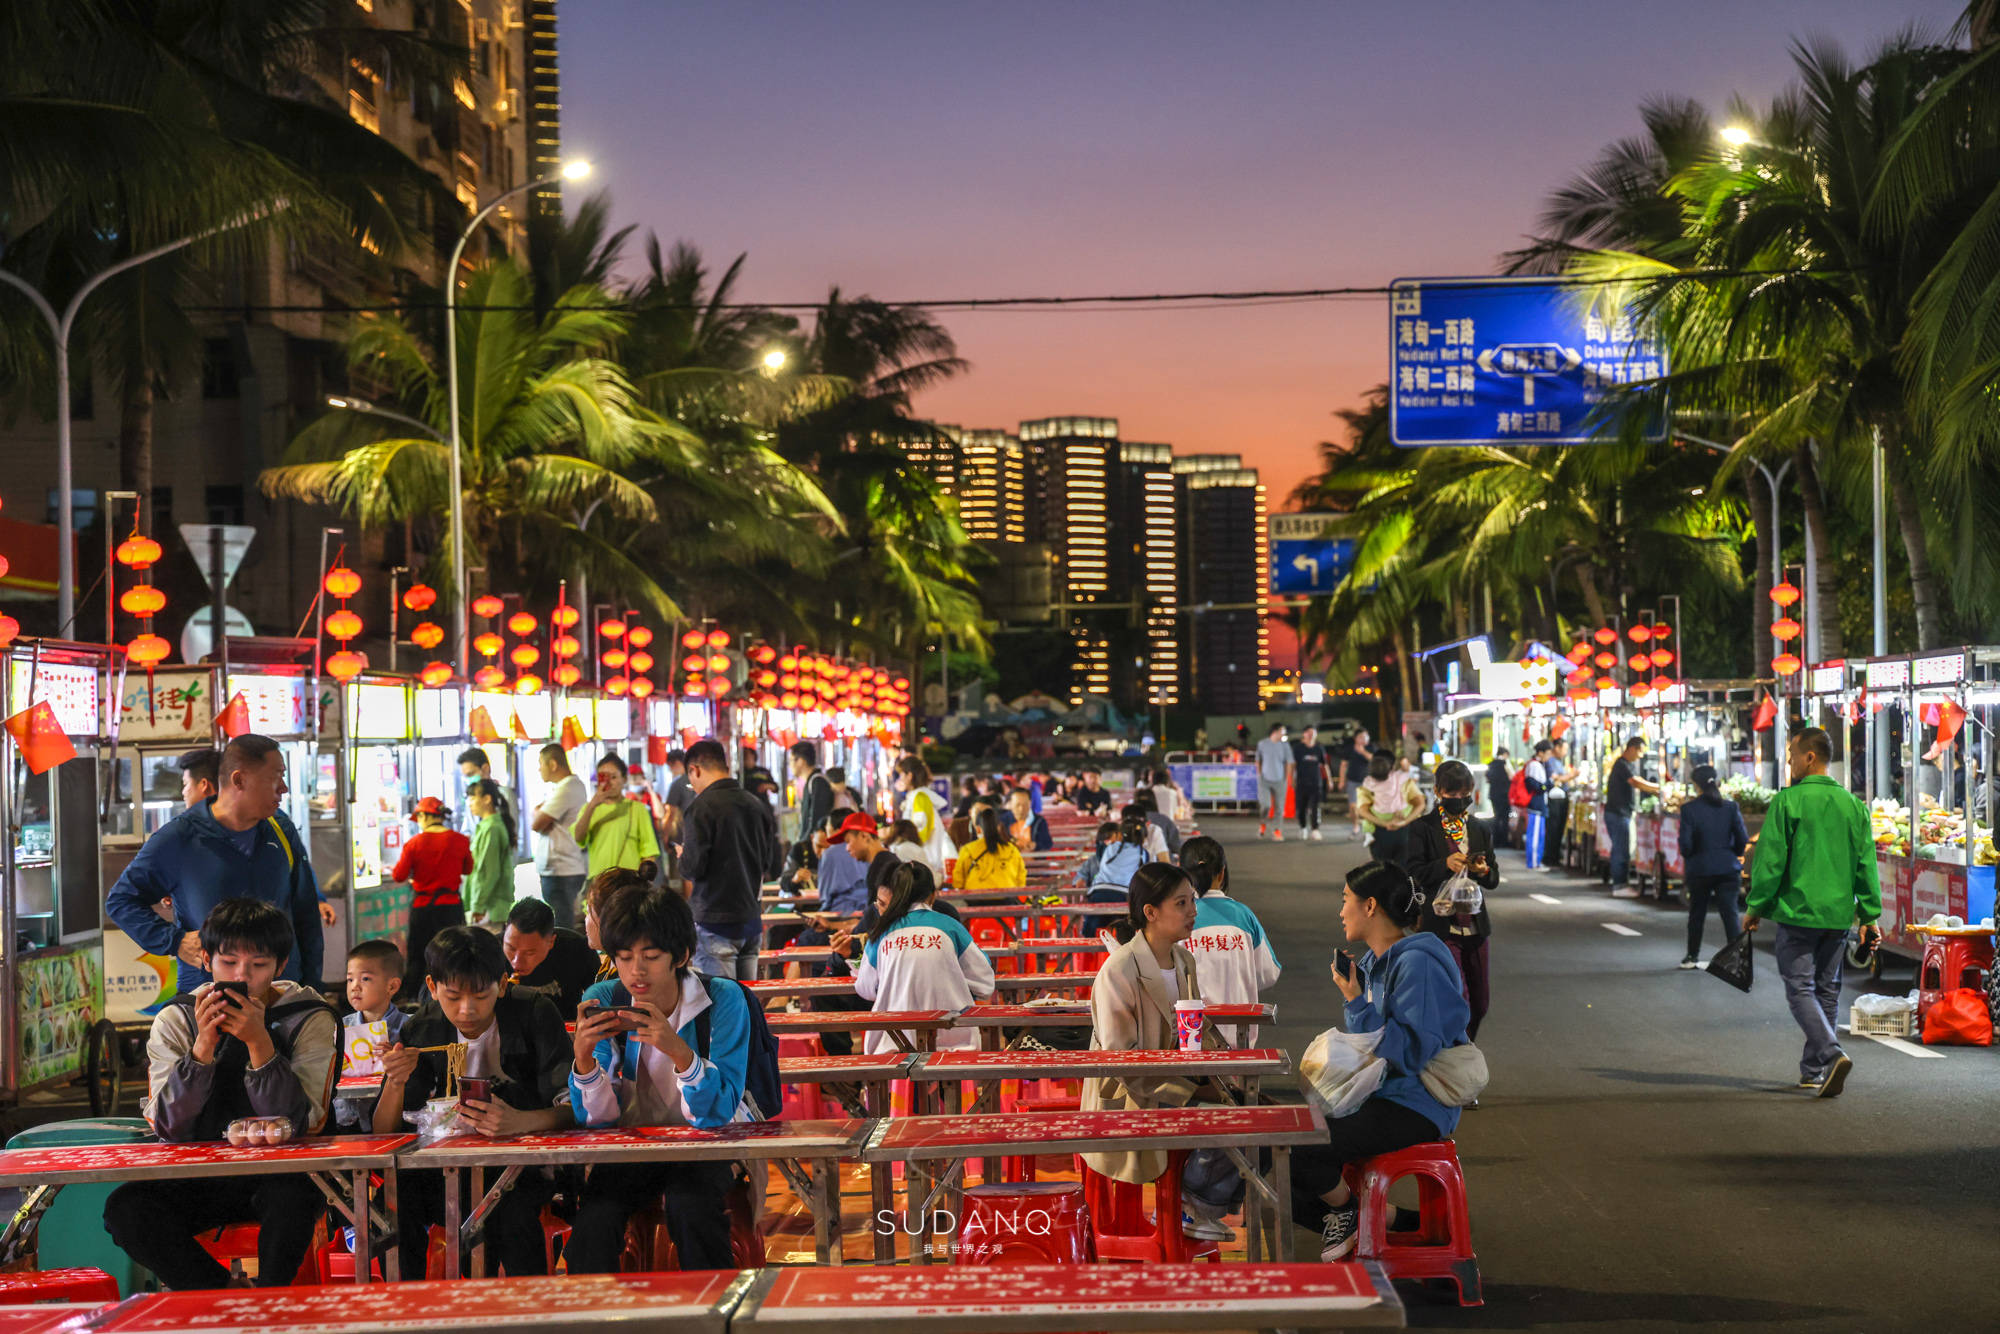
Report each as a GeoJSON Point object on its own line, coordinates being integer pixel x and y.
{"type": "Point", "coordinates": [235, 845]}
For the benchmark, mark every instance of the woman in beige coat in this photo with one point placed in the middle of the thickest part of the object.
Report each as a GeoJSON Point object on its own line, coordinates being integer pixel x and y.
{"type": "Point", "coordinates": [1132, 1008]}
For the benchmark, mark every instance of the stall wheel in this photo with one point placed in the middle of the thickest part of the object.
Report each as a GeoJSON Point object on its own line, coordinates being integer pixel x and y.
{"type": "Point", "coordinates": [104, 1068]}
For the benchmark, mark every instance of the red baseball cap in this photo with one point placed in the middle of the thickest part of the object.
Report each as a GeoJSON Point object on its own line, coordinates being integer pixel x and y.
{"type": "Point", "coordinates": [428, 806]}
{"type": "Point", "coordinates": [857, 822]}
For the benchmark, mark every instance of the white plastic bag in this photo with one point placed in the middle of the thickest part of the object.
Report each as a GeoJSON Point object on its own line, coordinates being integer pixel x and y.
{"type": "Point", "coordinates": [1340, 1070]}
{"type": "Point", "coordinates": [1456, 1076]}
{"type": "Point", "coordinates": [1459, 894]}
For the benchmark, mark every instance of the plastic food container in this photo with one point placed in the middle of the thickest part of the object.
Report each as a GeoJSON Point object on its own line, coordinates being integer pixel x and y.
{"type": "Point", "coordinates": [255, 1130]}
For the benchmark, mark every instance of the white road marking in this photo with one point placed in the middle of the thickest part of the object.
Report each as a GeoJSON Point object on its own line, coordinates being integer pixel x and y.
{"type": "Point", "coordinates": [1617, 929]}
{"type": "Point", "coordinates": [1544, 898]}
{"type": "Point", "coordinates": [1897, 1044]}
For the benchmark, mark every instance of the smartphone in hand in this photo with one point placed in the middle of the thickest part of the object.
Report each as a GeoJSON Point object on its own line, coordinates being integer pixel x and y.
{"type": "Point", "coordinates": [1345, 964]}
{"type": "Point", "coordinates": [474, 1088]}
{"type": "Point", "coordinates": [234, 993]}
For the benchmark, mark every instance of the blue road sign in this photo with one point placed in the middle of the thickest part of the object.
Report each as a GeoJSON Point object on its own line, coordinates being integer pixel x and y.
{"type": "Point", "coordinates": [1508, 361]}
{"type": "Point", "coordinates": [1303, 561]}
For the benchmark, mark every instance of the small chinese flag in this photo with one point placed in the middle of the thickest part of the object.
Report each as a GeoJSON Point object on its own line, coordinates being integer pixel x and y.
{"type": "Point", "coordinates": [481, 722]}
{"type": "Point", "coordinates": [656, 749]}
{"type": "Point", "coordinates": [1557, 728]}
{"type": "Point", "coordinates": [42, 742]}
{"type": "Point", "coordinates": [1929, 715]}
{"type": "Point", "coordinates": [235, 717]}
{"type": "Point", "coordinates": [689, 736]}
{"type": "Point", "coordinates": [517, 727]}
{"type": "Point", "coordinates": [1950, 718]}
{"type": "Point", "coordinates": [1764, 714]}
{"type": "Point", "coordinates": [572, 733]}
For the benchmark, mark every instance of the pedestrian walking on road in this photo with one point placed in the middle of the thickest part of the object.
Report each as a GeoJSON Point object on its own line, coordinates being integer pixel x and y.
{"type": "Point", "coordinates": [1390, 800]}
{"type": "Point", "coordinates": [1814, 875]}
{"type": "Point", "coordinates": [1534, 834]}
{"type": "Point", "coordinates": [1443, 844]}
{"type": "Point", "coordinates": [1310, 777]}
{"type": "Point", "coordinates": [1556, 765]}
{"type": "Point", "coordinates": [1712, 839]}
{"type": "Point", "coordinates": [1274, 776]}
{"type": "Point", "coordinates": [1499, 778]}
{"type": "Point", "coordinates": [1353, 761]}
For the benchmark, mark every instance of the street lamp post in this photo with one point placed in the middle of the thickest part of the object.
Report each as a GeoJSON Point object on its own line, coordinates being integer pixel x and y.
{"type": "Point", "coordinates": [60, 327]}
{"type": "Point", "coordinates": [572, 171]}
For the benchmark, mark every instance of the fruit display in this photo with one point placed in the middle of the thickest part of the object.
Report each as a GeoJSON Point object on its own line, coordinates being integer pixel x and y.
{"type": "Point", "coordinates": [1939, 833]}
{"type": "Point", "coordinates": [1891, 825]}
{"type": "Point", "coordinates": [1750, 796]}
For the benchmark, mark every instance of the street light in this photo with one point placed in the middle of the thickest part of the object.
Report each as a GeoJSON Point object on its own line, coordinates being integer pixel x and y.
{"type": "Point", "coordinates": [362, 405]}
{"type": "Point", "coordinates": [59, 331]}
{"type": "Point", "coordinates": [1736, 135]}
{"type": "Point", "coordinates": [574, 170]}
{"type": "Point", "coordinates": [775, 359]}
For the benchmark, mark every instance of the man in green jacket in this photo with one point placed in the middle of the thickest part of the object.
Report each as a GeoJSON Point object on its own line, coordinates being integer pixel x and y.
{"type": "Point", "coordinates": [1815, 877]}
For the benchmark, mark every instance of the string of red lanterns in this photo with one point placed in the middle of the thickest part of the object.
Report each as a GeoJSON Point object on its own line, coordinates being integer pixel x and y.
{"type": "Point", "coordinates": [138, 554]}
{"type": "Point", "coordinates": [426, 635]}
{"type": "Point", "coordinates": [487, 644]}
{"type": "Point", "coordinates": [343, 625]}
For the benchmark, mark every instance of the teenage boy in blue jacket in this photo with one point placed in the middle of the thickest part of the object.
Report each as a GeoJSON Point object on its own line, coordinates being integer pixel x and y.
{"type": "Point", "coordinates": [640, 1062]}
{"type": "Point", "coordinates": [236, 844]}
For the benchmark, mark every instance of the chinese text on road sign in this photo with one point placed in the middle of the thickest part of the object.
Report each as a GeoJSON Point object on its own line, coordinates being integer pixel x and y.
{"type": "Point", "coordinates": [1508, 361]}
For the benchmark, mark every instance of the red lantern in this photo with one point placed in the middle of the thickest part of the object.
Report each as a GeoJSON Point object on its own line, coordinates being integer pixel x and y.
{"type": "Point", "coordinates": [343, 625]}
{"type": "Point", "coordinates": [767, 679]}
{"type": "Point", "coordinates": [564, 617]}
{"type": "Point", "coordinates": [1786, 664]}
{"type": "Point", "coordinates": [346, 665]}
{"type": "Point", "coordinates": [1641, 689]}
{"type": "Point", "coordinates": [527, 684]}
{"type": "Point", "coordinates": [522, 624]}
{"type": "Point", "coordinates": [566, 646]}
{"type": "Point", "coordinates": [718, 686]}
{"type": "Point", "coordinates": [614, 658]}
{"type": "Point", "coordinates": [718, 639]}
{"type": "Point", "coordinates": [1604, 683]}
{"type": "Point", "coordinates": [1638, 662]}
{"type": "Point", "coordinates": [694, 639]}
{"type": "Point", "coordinates": [640, 636]}
{"type": "Point", "coordinates": [718, 662]}
{"type": "Point", "coordinates": [525, 655]}
{"type": "Point", "coordinates": [1578, 677]}
{"type": "Point", "coordinates": [789, 699]}
{"type": "Point", "coordinates": [342, 582]}
{"type": "Point", "coordinates": [435, 673]}
{"type": "Point", "coordinates": [1661, 630]}
{"type": "Point", "coordinates": [1606, 660]}
{"type": "Point", "coordinates": [694, 685]}
{"type": "Point", "coordinates": [138, 551]}
{"type": "Point", "coordinates": [488, 606]}
{"type": "Point", "coordinates": [642, 687]}
{"type": "Point", "coordinates": [9, 627]}
{"type": "Point", "coordinates": [617, 685]}
{"type": "Point", "coordinates": [145, 650]}
{"type": "Point", "coordinates": [1662, 657]}
{"type": "Point", "coordinates": [902, 684]}
{"type": "Point", "coordinates": [488, 643]}
{"type": "Point", "coordinates": [1578, 651]}
{"type": "Point", "coordinates": [142, 600]}
{"type": "Point", "coordinates": [693, 662]}
{"type": "Point", "coordinates": [1639, 634]}
{"type": "Point", "coordinates": [1662, 682]}
{"type": "Point", "coordinates": [568, 674]}
{"type": "Point", "coordinates": [1785, 593]}
{"type": "Point", "coordinates": [1605, 635]}
{"type": "Point", "coordinates": [642, 662]}
{"type": "Point", "coordinates": [1785, 628]}
{"type": "Point", "coordinates": [427, 634]}
{"type": "Point", "coordinates": [764, 654]}
{"type": "Point", "coordinates": [612, 629]}
{"type": "Point", "coordinates": [788, 663]}
{"type": "Point", "coordinates": [420, 597]}
{"type": "Point", "coordinates": [788, 681]}
{"type": "Point", "coordinates": [489, 678]}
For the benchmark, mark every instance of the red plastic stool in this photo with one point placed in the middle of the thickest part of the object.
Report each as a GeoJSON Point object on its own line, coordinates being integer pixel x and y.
{"type": "Point", "coordinates": [802, 1101]}
{"type": "Point", "coordinates": [1441, 1247]}
{"type": "Point", "coordinates": [233, 1243]}
{"type": "Point", "coordinates": [555, 1237]}
{"type": "Point", "coordinates": [58, 1285]}
{"type": "Point", "coordinates": [1121, 1229]}
{"type": "Point", "coordinates": [1950, 962]}
{"type": "Point", "coordinates": [1022, 1223]}
{"type": "Point", "coordinates": [1021, 1167]}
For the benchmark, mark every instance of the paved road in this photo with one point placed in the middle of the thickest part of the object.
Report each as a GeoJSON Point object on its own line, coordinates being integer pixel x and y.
{"type": "Point", "coordinates": [1641, 1160]}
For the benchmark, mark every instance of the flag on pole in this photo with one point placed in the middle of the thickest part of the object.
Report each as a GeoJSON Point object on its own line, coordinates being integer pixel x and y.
{"type": "Point", "coordinates": [1764, 715]}
{"type": "Point", "coordinates": [40, 738]}
{"type": "Point", "coordinates": [235, 719]}
{"type": "Point", "coordinates": [481, 724]}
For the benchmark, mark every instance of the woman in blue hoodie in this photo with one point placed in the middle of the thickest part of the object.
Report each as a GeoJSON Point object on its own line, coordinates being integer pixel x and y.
{"type": "Point", "coordinates": [1405, 986]}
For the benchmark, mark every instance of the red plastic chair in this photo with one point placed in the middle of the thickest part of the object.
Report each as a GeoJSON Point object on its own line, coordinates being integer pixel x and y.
{"type": "Point", "coordinates": [803, 1102]}
{"type": "Point", "coordinates": [1441, 1247]}
{"type": "Point", "coordinates": [58, 1285]}
{"type": "Point", "coordinates": [1949, 963]}
{"type": "Point", "coordinates": [1121, 1229]}
{"type": "Point", "coordinates": [234, 1243]}
{"type": "Point", "coordinates": [1021, 1167]}
{"type": "Point", "coordinates": [999, 1225]}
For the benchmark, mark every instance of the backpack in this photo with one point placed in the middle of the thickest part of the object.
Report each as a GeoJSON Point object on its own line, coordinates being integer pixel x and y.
{"type": "Point", "coordinates": [1517, 789]}
{"type": "Point", "coordinates": [760, 1064]}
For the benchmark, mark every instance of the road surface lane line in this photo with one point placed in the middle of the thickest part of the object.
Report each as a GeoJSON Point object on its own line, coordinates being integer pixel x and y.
{"type": "Point", "coordinates": [1897, 1044]}
{"type": "Point", "coordinates": [1617, 929]}
{"type": "Point", "coordinates": [1543, 898]}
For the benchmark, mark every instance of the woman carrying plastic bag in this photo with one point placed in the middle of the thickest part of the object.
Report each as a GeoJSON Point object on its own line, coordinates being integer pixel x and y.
{"type": "Point", "coordinates": [1402, 992]}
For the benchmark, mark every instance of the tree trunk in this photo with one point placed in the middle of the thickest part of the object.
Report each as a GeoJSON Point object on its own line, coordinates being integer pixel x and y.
{"type": "Point", "coordinates": [1826, 593]}
{"type": "Point", "coordinates": [1910, 522]}
{"type": "Point", "coordinates": [1403, 681]}
{"type": "Point", "coordinates": [1760, 593]}
{"type": "Point", "coordinates": [135, 433]}
{"type": "Point", "coordinates": [1593, 601]}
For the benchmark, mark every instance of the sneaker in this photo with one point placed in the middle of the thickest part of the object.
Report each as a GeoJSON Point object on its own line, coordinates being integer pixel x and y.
{"type": "Point", "coordinates": [1625, 892]}
{"type": "Point", "coordinates": [1547, 869]}
{"type": "Point", "coordinates": [1262, 830]}
{"type": "Point", "coordinates": [1811, 1086]}
{"type": "Point", "coordinates": [1836, 1076]}
{"type": "Point", "coordinates": [1277, 836]}
{"type": "Point", "coordinates": [1338, 1234]}
{"type": "Point", "coordinates": [1690, 963]}
{"type": "Point", "coordinates": [1316, 837]}
{"type": "Point", "coordinates": [1204, 1224]}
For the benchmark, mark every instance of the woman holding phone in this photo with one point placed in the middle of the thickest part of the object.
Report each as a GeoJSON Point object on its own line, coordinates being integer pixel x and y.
{"type": "Point", "coordinates": [1442, 844]}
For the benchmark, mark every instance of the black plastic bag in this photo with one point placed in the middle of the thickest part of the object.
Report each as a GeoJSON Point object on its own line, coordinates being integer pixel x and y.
{"type": "Point", "coordinates": [1732, 962]}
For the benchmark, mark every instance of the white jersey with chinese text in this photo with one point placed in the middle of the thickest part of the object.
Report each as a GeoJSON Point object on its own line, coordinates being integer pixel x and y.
{"type": "Point", "coordinates": [1233, 958]}
{"type": "Point", "coordinates": [925, 961]}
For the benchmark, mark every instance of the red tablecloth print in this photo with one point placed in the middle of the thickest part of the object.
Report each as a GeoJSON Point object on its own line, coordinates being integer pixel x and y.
{"type": "Point", "coordinates": [298, 1156]}
{"type": "Point", "coordinates": [946, 1132]}
{"type": "Point", "coordinates": [973, 1291]}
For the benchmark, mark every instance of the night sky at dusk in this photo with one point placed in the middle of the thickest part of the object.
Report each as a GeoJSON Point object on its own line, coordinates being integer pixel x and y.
{"type": "Point", "coordinates": [928, 151]}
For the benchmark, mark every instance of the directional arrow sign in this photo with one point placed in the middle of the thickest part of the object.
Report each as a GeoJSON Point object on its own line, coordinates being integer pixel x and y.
{"type": "Point", "coordinates": [1303, 559]}
{"type": "Point", "coordinates": [1509, 361]}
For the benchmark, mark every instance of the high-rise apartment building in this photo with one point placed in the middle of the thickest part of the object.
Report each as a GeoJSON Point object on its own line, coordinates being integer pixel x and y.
{"type": "Point", "coordinates": [1223, 562]}
{"type": "Point", "coordinates": [1145, 566]}
{"type": "Point", "coordinates": [265, 370]}
{"type": "Point", "coordinates": [992, 486]}
{"type": "Point", "coordinates": [1076, 456]}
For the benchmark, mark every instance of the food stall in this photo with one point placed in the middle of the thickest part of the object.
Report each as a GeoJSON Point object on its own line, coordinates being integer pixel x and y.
{"type": "Point", "coordinates": [379, 763]}
{"type": "Point", "coordinates": [1933, 824]}
{"type": "Point", "coordinates": [440, 740]}
{"type": "Point", "coordinates": [52, 907]}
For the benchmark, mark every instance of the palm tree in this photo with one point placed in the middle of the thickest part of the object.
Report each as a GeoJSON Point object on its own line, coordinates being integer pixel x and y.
{"type": "Point", "coordinates": [550, 427]}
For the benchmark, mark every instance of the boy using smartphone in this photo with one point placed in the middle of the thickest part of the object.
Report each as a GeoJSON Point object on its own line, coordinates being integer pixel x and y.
{"type": "Point", "coordinates": [516, 1042]}
{"type": "Point", "coordinates": [245, 1044]}
{"type": "Point", "coordinates": [657, 1045]}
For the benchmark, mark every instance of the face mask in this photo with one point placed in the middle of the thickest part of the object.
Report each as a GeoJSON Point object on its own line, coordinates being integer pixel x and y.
{"type": "Point", "coordinates": [1454, 805]}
